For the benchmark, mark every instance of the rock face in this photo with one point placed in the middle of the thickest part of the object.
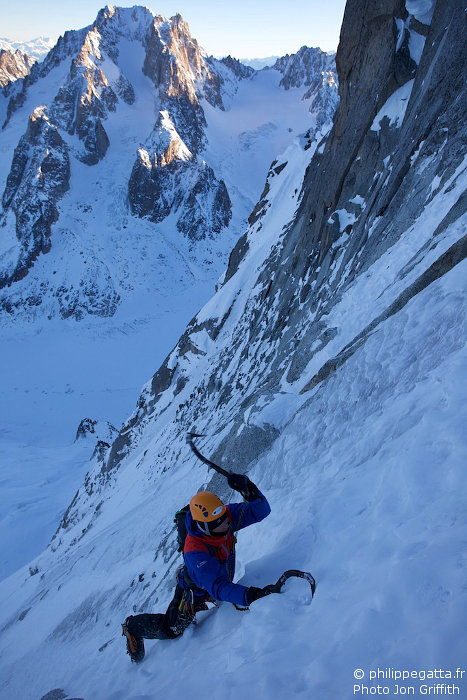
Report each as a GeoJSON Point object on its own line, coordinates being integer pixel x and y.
{"type": "Point", "coordinates": [81, 106]}
{"type": "Point", "coordinates": [14, 65]}
{"type": "Point", "coordinates": [175, 64]}
{"type": "Point", "coordinates": [38, 178]}
{"type": "Point", "coordinates": [167, 178]}
{"type": "Point", "coordinates": [168, 174]}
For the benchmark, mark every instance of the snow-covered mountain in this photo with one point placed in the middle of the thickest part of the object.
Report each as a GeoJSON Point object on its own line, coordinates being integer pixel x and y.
{"type": "Point", "coordinates": [259, 63]}
{"type": "Point", "coordinates": [134, 96]}
{"type": "Point", "coordinates": [329, 366]}
{"type": "Point", "coordinates": [37, 48]}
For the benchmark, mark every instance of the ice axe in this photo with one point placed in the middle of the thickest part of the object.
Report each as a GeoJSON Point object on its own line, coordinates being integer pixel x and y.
{"type": "Point", "coordinates": [231, 477]}
{"type": "Point", "coordinates": [189, 438]}
{"type": "Point", "coordinates": [277, 587]}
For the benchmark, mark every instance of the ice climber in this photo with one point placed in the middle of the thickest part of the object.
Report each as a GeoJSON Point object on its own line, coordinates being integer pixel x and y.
{"type": "Point", "coordinates": [209, 558]}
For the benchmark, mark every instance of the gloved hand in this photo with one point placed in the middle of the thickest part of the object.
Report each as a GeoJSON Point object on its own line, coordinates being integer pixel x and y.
{"type": "Point", "coordinates": [242, 484]}
{"type": "Point", "coordinates": [253, 593]}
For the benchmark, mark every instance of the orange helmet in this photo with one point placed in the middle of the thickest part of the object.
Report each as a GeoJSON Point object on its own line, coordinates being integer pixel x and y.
{"type": "Point", "coordinates": [206, 507]}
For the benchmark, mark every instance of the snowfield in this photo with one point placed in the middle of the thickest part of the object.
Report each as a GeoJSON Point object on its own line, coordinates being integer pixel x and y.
{"type": "Point", "coordinates": [366, 487]}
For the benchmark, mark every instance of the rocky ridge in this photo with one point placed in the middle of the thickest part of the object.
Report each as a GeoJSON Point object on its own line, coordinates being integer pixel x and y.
{"type": "Point", "coordinates": [39, 176]}
{"type": "Point", "coordinates": [315, 70]}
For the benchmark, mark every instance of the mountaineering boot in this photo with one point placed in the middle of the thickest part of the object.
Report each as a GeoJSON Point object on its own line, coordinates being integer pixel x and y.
{"type": "Point", "coordinates": [134, 645]}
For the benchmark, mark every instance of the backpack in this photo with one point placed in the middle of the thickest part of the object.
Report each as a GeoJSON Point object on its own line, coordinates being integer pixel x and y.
{"type": "Point", "coordinates": [182, 532]}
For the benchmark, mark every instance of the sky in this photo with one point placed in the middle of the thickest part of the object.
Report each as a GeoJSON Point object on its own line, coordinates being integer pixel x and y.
{"type": "Point", "coordinates": [242, 28]}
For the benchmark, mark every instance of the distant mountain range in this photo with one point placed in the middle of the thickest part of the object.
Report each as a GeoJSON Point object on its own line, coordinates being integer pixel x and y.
{"type": "Point", "coordinates": [36, 48]}
{"type": "Point", "coordinates": [258, 63]}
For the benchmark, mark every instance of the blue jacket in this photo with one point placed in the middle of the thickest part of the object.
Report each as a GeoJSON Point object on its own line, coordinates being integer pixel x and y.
{"type": "Point", "coordinates": [210, 561]}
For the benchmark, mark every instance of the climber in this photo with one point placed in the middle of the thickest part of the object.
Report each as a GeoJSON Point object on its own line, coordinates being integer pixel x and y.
{"type": "Point", "coordinates": [209, 558]}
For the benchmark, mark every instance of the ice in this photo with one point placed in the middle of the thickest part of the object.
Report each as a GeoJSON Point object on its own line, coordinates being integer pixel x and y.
{"type": "Point", "coordinates": [422, 10]}
{"type": "Point", "coordinates": [416, 46]}
{"type": "Point", "coordinates": [394, 108]}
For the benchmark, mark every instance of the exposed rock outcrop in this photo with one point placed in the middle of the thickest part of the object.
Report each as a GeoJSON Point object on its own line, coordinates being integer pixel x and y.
{"type": "Point", "coordinates": [85, 101]}
{"type": "Point", "coordinates": [240, 70]}
{"type": "Point", "coordinates": [66, 47]}
{"type": "Point", "coordinates": [14, 65]}
{"type": "Point", "coordinates": [308, 67]}
{"type": "Point", "coordinates": [103, 430]}
{"type": "Point", "coordinates": [167, 178]}
{"type": "Point", "coordinates": [176, 64]}
{"type": "Point", "coordinates": [315, 70]}
{"type": "Point", "coordinates": [39, 177]}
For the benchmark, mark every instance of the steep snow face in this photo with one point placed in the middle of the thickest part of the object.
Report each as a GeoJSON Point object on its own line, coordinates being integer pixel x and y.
{"type": "Point", "coordinates": [359, 471]}
{"type": "Point", "coordinates": [130, 246]}
{"type": "Point", "coordinates": [329, 365]}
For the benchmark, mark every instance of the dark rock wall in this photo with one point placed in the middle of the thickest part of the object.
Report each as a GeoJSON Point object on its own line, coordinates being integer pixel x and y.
{"type": "Point", "coordinates": [38, 178]}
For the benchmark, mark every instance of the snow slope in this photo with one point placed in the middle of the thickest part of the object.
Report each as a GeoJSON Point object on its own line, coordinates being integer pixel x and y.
{"type": "Point", "coordinates": [344, 481]}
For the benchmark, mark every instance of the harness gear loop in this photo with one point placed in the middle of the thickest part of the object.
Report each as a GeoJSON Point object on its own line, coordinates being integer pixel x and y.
{"type": "Point", "coordinates": [187, 603]}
